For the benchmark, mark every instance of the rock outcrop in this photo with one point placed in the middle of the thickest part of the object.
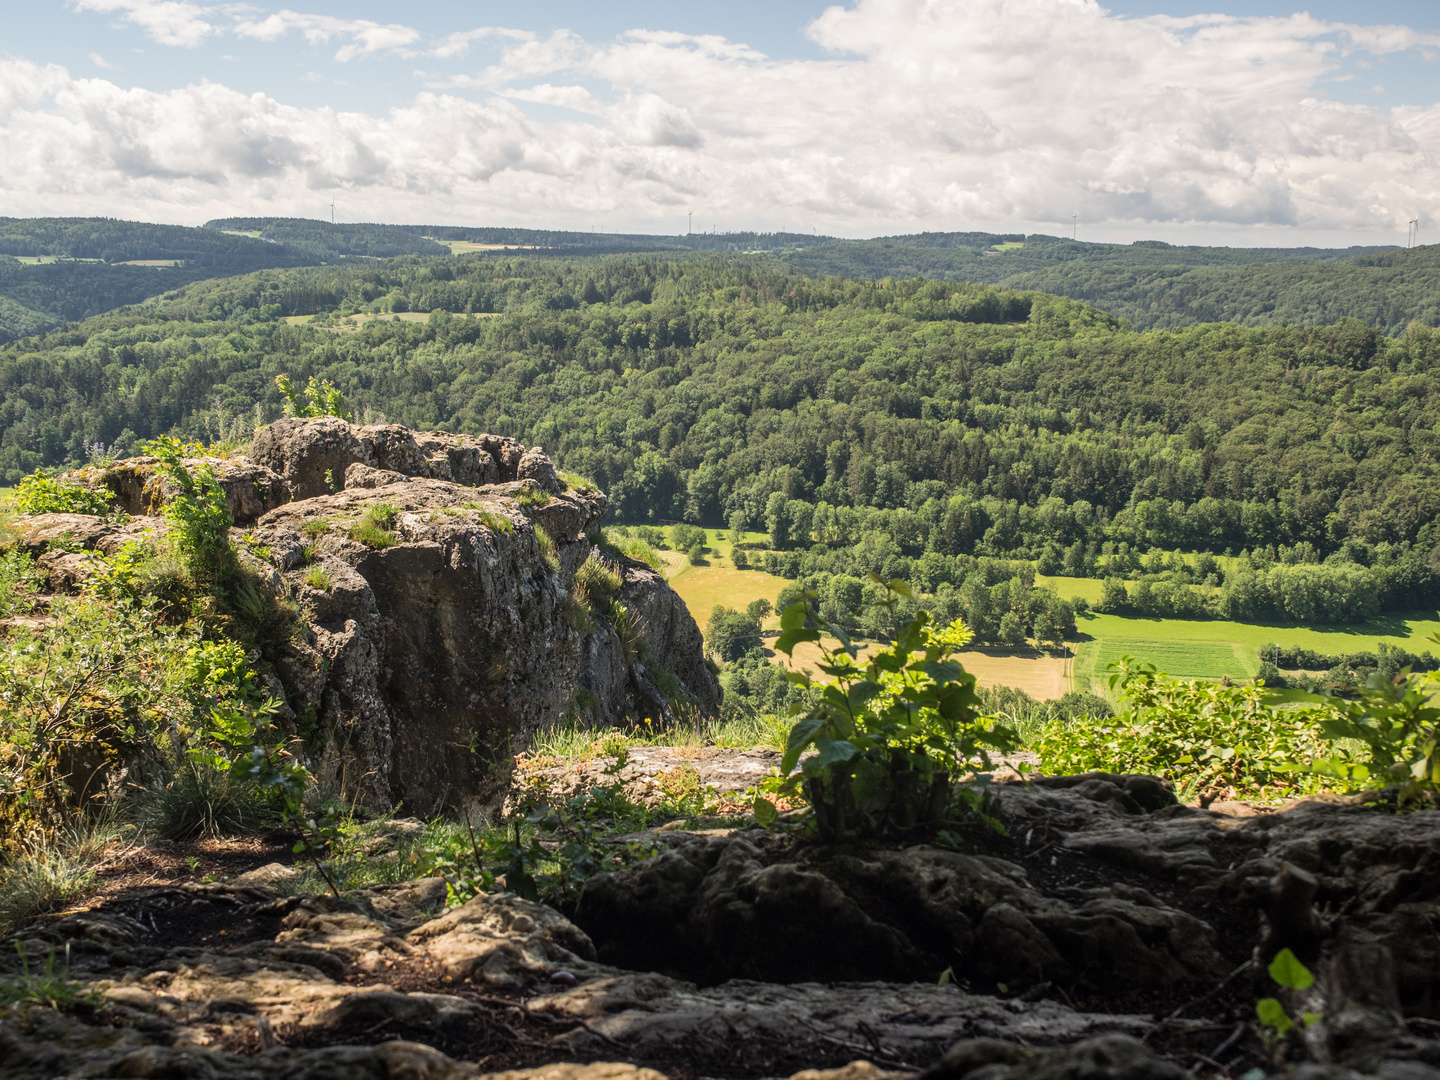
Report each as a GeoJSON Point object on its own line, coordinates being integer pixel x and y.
{"type": "Point", "coordinates": [186, 977]}
{"type": "Point", "coordinates": [435, 574]}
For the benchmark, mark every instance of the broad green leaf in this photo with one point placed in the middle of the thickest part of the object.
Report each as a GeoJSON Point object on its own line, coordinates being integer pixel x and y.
{"type": "Point", "coordinates": [1287, 970]}
{"type": "Point", "coordinates": [793, 617]}
{"type": "Point", "coordinates": [1273, 1014]}
{"type": "Point", "coordinates": [787, 641]}
{"type": "Point", "coordinates": [901, 586]}
{"type": "Point", "coordinates": [765, 812]}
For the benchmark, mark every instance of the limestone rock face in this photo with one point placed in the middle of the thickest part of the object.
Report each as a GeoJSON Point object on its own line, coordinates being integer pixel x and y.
{"type": "Point", "coordinates": [138, 488]}
{"type": "Point", "coordinates": [441, 635]}
{"type": "Point", "coordinates": [715, 908]}
{"type": "Point", "coordinates": [446, 646]}
{"type": "Point", "coordinates": [313, 455]}
{"type": "Point", "coordinates": [673, 644]}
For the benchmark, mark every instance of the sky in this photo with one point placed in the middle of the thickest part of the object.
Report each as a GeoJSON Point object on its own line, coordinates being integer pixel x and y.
{"type": "Point", "coordinates": [1247, 122]}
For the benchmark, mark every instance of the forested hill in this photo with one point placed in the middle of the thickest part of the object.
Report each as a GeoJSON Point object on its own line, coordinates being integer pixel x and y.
{"type": "Point", "coordinates": [90, 265]}
{"type": "Point", "coordinates": [972, 420]}
{"type": "Point", "coordinates": [1153, 284]}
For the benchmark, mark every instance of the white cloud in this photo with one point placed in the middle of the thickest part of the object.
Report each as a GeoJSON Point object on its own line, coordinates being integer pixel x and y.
{"type": "Point", "coordinates": [100, 62]}
{"type": "Point", "coordinates": [927, 114]}
{"type": "Point", "coordinates": [169, 22]}
{"type": "Point", "coordinates": [365, 37]}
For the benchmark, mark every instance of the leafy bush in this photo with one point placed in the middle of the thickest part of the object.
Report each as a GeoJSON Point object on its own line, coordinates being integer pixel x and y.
{"type": "Point", "coordinates": [1213, 740]}
{"type": "Point", "coordinates": [889, 734]}
{"type": "Point", "coordinates": [696, 555]}
{"type": "Point", "coordinates": [318, 398]}
{"type": "Point", "coordinates": [197, 513]}
{"type": "Point", "coordinates": [38, 494]}
{"type": "Point", "coordinates": [1396, 720]}
{"type": "Point", "coordinates": [19, 582]}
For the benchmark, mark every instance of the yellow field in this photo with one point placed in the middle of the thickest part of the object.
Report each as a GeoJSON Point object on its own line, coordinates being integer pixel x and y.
{"type": "Point", "coordinates": [45, 260]}
{"type": "Point", "coordinates": [702, 587]}
{"type": "Point", "coordinates": [460, 247]}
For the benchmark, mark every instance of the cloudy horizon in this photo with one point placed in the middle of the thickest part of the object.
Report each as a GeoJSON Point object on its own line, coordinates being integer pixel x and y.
{"type": "Point", "coordinates": [880, 117]}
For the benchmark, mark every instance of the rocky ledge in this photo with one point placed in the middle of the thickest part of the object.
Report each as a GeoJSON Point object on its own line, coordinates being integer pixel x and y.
{"type": "Point", "coordinates": [433, 646]}
{"type": "Point", "coordinates": [1109, 933]}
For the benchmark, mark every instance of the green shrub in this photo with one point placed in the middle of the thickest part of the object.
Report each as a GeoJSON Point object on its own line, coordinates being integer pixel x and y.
{"type": "Point", "coordinates": [38, 494]}
{"type": "Point", "coordinates": [20, 582]}
{"type": "Point", "coordinates": [318, 398]}
{"type": "Point", "coordinates": [197, 513]}
{"type": "Point", "coordinates": [696, 555]}
{"type": "Point", "coordinates": [1209, 739]}
{"type": "Point", "coordinates": [1390, 734]}
{"type": "Point", "coordinates": [889, 734]}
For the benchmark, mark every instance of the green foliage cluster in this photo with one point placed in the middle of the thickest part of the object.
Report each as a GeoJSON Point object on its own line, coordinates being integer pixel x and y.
{"type": "Point", "coordinates": [889, 734]}
{"type": "Point", "coordinates": [40, 494]}
{"type": "Point", "coordinates": [1210, 739]}
{"type": "Point", "coordinates": [732, 634]}
{"type": "Point", "coordinates": [1222, 741]}
{"type": "Point", "coordinates": [318, 399]}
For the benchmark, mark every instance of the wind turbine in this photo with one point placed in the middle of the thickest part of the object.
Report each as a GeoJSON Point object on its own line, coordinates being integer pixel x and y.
{"type": "Point", "coordinates": [1075, 226]}
{"type": "Point", "coordinates": [332, 211]}
{"type": "Point", "coordinates": [1412, 236]}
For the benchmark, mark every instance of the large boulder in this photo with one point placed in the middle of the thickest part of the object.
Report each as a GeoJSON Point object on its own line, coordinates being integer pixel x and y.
{"type": "Point", "coordinates": [446, 644]}
{"type": "Point", "coordinates": [139, 488]}
{"type": "Point", "coordinates": [314, 454]}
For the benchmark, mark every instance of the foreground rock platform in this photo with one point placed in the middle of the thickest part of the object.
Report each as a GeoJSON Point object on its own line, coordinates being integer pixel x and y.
{"type": "Point", "coordinates": [1112, 933]}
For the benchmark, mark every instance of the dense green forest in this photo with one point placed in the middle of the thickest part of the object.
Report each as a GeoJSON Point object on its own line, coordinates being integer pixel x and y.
{"type": "Point", "coordinates": [1153, 284]}
{"type": "Point", "coordinates": [1149, 283]}
{"type": "Point", "coordinates": [897, 421]}
{"type": "Point", "coordinates": [92, 278]}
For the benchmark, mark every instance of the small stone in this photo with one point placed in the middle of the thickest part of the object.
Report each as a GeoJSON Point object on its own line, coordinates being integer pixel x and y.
{"type": "Point", "coordinates": [564, 978]}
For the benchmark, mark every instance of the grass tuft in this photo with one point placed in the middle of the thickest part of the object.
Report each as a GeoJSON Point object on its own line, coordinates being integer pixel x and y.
{"type": "Point", "coordinates": [199, 801]}
{"type": "Point", "coordinates": [318, 578]}
{"type": "Point", "coordinates": [375, 527]}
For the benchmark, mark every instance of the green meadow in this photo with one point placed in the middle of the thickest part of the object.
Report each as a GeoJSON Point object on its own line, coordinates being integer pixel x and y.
{"type": "Point", "coordinates": [1213, 648]}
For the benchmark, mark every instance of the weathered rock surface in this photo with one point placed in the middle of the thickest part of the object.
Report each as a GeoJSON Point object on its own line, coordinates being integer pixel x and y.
{"type": "Point", "coordinates": [672, 648]}
{"type": "Point", "coordinates": [436, 647]}
{"type": "Point", "coordinates": [250, 488]}
{"type": "Point", "coordinates": [315, 455]}
{"type": "Point", "coordinates": [717, 908]}
{"type": "Point", "coordinates": [187, 974]}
